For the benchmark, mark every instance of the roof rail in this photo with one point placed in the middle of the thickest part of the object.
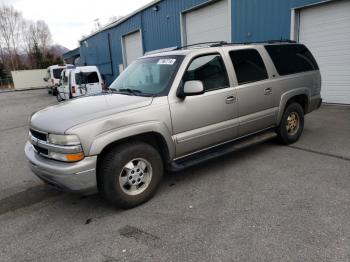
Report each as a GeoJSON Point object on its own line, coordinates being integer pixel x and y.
{"type": "Point", "coordinates": [161, 50]}
{"type": "Point", "coordinates": [204, 44]}
{"type": "Point", "coordinates": [217, 44]}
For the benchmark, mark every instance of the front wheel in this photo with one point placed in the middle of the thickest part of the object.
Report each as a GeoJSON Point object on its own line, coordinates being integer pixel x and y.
{"type": "Point", "coordinates": [130, 174]}
{"type": "Point", "coordinates": [292, 124]}
{"type": "Point", "coordinates": [59, 97]}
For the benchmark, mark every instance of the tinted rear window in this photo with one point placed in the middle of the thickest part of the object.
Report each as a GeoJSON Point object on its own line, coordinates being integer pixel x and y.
{"type": "Point", "coordinates": [291, 59]}
{"type": "Point", "coordinates": [86, 78]}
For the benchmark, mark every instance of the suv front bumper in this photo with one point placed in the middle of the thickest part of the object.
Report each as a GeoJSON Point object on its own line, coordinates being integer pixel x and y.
{"type": "Point", "coordinates": [79, 177]}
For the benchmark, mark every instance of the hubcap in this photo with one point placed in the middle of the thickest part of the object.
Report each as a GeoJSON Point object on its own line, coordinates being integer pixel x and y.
{"type": "Point", "coordinates": [135, 176]}
{"type": "Point", "coordinates": [293, 123]}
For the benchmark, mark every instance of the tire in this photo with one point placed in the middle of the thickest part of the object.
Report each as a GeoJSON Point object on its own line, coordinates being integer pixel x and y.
{"type": "Point", "coordinates": [291, 125]}
{"type": "Point", "coordinates": [59, 98]}
{"type": "Point", "coordinates": [120, 166]}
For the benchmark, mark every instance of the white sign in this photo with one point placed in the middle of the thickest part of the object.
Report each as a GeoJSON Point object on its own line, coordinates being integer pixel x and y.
{"type": "Point", "coordinates": [166, 61]}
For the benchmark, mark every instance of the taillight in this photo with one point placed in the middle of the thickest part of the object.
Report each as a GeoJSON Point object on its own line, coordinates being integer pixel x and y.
{"type": "Point", "coordinates": [73, 89]}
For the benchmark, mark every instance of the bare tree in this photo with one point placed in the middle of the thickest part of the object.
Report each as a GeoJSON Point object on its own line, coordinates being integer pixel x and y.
{"type": "Point", "coordinates": [10, 33]}
{"type": "Point", "coordinates": [43, 35]}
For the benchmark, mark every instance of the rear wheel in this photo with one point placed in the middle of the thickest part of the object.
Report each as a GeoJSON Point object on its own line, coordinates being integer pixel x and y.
{"type": "Point", "coordinates": [292, 124]}
{"type": "Point", "coordinates": [130, 174]}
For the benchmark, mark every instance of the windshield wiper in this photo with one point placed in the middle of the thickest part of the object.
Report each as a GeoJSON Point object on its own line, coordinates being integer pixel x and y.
{"type": "Point", "coordinates": [135, 92]}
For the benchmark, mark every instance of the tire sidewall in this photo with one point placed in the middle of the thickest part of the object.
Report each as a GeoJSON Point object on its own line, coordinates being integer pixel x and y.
{"type": "Point", "coordinates": [117, 159]}
{"type": "Point", "coordinates": [283, 133]}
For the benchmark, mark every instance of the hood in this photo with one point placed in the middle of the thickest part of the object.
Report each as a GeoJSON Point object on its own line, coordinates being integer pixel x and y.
{"type": "Point", "coordinates": [59, 118]}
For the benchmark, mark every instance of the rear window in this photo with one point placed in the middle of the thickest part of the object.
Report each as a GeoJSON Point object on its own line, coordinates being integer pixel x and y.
{"type": "Point", "coordinates": [248, 65]}
{"type": "Point", "coordinates": [86, 78]}
{"type": "Point", "coordinates": [291, 59]}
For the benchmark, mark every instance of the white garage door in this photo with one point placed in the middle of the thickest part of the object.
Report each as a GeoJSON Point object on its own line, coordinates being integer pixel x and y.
{"type": "Point", "coordinates": [209, 23]}
{"type": "Point", "coordinates": [325, 29]}
{"type": "Point", "coordinates": [132, 47]}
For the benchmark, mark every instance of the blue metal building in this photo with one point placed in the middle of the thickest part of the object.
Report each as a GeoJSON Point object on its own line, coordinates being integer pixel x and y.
{"type": "Point", "coordinates": [168, 23]}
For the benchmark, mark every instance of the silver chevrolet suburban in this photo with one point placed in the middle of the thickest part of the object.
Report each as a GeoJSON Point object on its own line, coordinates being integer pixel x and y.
{"type": "Point", "coordinates": [170, 110]}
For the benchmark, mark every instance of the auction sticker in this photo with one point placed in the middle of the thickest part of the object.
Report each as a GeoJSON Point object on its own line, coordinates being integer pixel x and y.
{"type": "Point", "coordinates": [166, 61]}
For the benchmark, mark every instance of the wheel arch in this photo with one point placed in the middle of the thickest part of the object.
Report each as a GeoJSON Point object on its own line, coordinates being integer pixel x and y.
{"type": "Point", "coordinates": [300, 95]}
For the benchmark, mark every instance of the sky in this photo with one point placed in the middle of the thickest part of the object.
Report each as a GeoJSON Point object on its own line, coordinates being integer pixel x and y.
{"type": "Point", "coordinates": [69, 20]}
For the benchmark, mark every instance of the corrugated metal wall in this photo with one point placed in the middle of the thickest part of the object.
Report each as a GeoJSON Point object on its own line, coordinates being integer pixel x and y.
{"type": "Point", "coordinates": [252, 20]}
{"type": "Point", "coordinates": [260, 20]}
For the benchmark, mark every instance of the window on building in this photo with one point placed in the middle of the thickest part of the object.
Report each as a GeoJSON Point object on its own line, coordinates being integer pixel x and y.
{"type": "Point", "coordinates": [291, 58]}
{"type": "Point", "coordinates": [249, 66]}
{"type": "Point", "coordinates": [210, 69]}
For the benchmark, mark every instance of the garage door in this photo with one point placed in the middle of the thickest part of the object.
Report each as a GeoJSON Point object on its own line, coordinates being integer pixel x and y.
{"type": "Point", "coordinates": [208, 23]}
{"type": "Point", "coordinates": [325, 29]}
{"type": "Point", "coordinates": [132, 47]}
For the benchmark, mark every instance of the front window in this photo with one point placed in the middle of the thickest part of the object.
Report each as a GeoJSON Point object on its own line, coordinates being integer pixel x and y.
{"type": "Point", "coordinates": [148, 76]}
{"type": "Point", "coordinates": [210, 70]}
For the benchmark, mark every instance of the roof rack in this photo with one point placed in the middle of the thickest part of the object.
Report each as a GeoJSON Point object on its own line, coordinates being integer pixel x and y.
{"type": "Point", "coordinates": [217, 44]}
{"type": "Point", "coordinates": [204, 44]}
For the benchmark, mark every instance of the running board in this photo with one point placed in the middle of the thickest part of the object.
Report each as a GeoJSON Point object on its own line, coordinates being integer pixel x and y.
{"type": "Point", "coordinates": [221, 150]}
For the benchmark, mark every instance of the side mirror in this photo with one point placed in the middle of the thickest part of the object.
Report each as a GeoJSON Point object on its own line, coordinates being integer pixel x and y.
{"type": "Point", "coordinates": [192, 88]}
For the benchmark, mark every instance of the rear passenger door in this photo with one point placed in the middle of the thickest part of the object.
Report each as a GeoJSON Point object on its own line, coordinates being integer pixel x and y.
{"type": "Point", "coordinates": [254, 91]}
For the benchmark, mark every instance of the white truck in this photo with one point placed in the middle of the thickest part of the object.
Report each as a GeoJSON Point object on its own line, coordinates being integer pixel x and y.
{"type": "Point", "coordinates": [79, 81]}
{"type": "Point", "coordinates": [53, 77]}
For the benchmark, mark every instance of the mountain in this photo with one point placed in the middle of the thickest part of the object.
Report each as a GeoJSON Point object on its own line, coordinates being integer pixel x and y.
{"type": "Point", "coordinates": [58, 50]}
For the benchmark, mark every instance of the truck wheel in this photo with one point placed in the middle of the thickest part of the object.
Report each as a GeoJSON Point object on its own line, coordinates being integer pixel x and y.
{"type": "Point", "coordinates": [292, 124]}
{"type": "Point", "coordinates": [59, 97]}
{"type": "Point", "coordinates": [130, 174]}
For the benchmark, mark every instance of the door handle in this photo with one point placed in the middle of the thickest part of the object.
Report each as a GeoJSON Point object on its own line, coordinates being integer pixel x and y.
{"type": "Point", "coordinates": [268, 91]}
{"type": "Point", "coordinates": [230, 99]}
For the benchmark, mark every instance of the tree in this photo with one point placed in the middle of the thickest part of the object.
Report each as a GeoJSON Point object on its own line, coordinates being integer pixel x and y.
{"type": "Point", "coordinates": [10, 34]}
{"type": "Point", "coordinates": [24, 43]}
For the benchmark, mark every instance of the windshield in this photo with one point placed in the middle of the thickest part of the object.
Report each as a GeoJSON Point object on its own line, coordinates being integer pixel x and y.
{"type": "Point", "coordinates": [148, 76]}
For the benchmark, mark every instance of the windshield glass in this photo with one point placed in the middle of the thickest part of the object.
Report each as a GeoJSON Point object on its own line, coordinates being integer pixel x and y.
{"type": "Point", "coordinates": [148, 76]}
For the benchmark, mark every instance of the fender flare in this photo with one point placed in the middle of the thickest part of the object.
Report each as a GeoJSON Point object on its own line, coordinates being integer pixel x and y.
{"type": "Point", "coordinates": [285, 97]}
{"type": "Point", "coordinates": [112, 136]}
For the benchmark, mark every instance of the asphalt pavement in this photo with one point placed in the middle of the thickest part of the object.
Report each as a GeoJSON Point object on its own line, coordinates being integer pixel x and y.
{"type": "Point", "coordinates": [264, 203]}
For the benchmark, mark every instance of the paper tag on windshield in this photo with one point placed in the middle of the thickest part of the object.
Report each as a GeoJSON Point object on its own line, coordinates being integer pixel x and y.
{"type": "Point", "coordinates": [166, 61]}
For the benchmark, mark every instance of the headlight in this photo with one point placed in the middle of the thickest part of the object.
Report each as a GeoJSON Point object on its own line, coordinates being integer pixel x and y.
{"type": "Point", "coordinates": [64, 140]}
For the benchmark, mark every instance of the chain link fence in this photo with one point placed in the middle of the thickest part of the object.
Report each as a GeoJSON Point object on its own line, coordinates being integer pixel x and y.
{"type": "Point", "coordinates": [6, 83]}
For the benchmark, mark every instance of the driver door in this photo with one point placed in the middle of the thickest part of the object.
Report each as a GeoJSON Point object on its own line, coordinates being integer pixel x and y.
{"type": "Point", "coordinates": [205, 120]}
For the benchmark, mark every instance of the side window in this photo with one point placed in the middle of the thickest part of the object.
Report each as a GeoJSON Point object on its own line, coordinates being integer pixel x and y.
{"type": "Point", "coordinates": [210, 69]}
{"type": "Point", "coordinates": [291, 58]}
{"type": "Point", "coordinates": [248, 65]}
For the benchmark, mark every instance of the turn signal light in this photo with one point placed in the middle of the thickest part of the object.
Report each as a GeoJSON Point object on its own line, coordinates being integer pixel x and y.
{"type": "Point", "coordinates": [73, 89]}
{"type": "Point", "coordinates": [75, 157]}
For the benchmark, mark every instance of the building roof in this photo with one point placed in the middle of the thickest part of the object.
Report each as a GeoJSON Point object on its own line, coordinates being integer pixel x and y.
{"type": "Point", "coordinates": [72, 53]}
{"type": "Point", "coordinates": [121, 20]}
